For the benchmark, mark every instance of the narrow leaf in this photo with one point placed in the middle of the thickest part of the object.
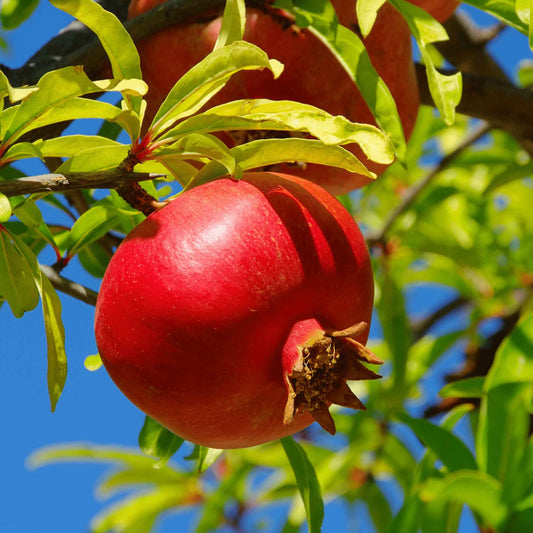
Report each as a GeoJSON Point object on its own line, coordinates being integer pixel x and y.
{"type": "Point", "coordinates": [307, 482]}
{"type": "Point", "coordinates": [5, 208]}
{"type": "Point", "coordinates": [258, 154]}
{"type": "Point", "coordinates": [206, 78]}
{"type": "Point", "coordinates": [286, 115]}
{"type": "Point", "coordinates": [233, 23]}
{"type": "Point", "coordinates": [116, 41]}
{"type": "Point", "coordinates": [450, 449]}
{"type": "Point", "coordinates": [367, 11]}
{"type": "Point", "coordinates": [465, 388]}
{"type": "Point", "coordinates": [157, 441]}
{"type": "Point", "coordinates": [17, 285]}
{"type": "Point", "coordinates": [481, 492]}
{"type": "Point", "coordinates": [445, 90]}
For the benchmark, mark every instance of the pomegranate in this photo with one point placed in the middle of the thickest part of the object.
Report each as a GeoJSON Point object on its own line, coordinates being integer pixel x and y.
{"type": "Point", "coordinates": [311, 75]}
{"type": "Point", "coordinates": [235, 314]}
{"type": "Point", "coordinates": [441, 10]}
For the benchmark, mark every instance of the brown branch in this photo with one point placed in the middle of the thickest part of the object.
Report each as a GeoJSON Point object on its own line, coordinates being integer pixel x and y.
{"type": "Point", "coordinates": [421, 327]}
{"type": "Point", "coordinates": [412, 193]}
{"type": "Point", "coordinates": [104, 179]}
{"type": "Point", "coordinates": [69, 287]}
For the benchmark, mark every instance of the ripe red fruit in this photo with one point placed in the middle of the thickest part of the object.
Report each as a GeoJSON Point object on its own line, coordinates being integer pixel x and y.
{"type": "Point", "coordinates": [222, 314]}
{"type": "Point", "coordinates": [311, 75]}
{"type": "Point", "coordinates": [441, 10]}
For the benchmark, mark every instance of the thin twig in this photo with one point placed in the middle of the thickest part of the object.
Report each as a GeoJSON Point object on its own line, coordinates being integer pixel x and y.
{"type": "Point", "coordinates": [421, 327]}
{"type": "Point", "coordinates": [105, 179]}
{"type": "Point", "coordinates": [69, 287]}
{"type": "Point", "coordinates": [413, 191]}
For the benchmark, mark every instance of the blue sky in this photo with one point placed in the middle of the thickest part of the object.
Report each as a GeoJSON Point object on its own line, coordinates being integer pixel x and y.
{"type": "Point", "coordinates": [60, 499]}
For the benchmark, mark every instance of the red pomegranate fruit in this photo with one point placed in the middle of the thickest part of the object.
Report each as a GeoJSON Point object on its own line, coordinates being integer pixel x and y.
{"type": "Point", "coordinates": [235, 314]}
{"type": "Point", "coordinates": [311, 74]}
{"type": "Point", "coordinates": [441, 10]}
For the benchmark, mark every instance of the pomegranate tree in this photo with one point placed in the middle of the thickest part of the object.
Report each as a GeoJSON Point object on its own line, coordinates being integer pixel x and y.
{"type": "Point", "coordinates": [311, 75]}
{"type": "Point", "coordinates": [235, 314]}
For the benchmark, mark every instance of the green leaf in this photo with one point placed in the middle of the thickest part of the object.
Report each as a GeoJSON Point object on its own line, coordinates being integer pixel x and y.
{"type": "Point", "coordinates": [21, 150]}
{"type": "Point", "coordinates": [55, 89]}
{"type": "Point", "coordinates": [307, 482]}
{"type": "Point", "coordinates": [523, 10]}
{"type": "Point", "coordinates": [14, 12]}
{"type": "Point", "coordinates": [14, 94]}
{"type": "Point", "coordinates": [367, 11]}
{"type": "Point", "coordinates": [258, 154]}
{"type": "Point", "coordinates": [395, 323]}
{"type": "Point", "coordinates": [157, 441]}
{"type": "Point", "coordinates": [285, 115]}
{"type": "Point", "coordinates": [91, 225]}
{"type": "Point", "coordinates": [53, 325]}
{"type": "Point", "coordinates": [206, 78]}
{"type": "Point", "coordinates": [350, 51]}
{"type": "Point", "coordinates": [205, 457]}
{"type": "Point", "coordinates": [451, 450]}
{"type": "Point", "coordinates": [481, 492]}
{"type": "Point", "coordinates": [93, 362]}
{"type": "Point", "coordinates": [445, 89]}
{"type": "Point", "coordinates": [117, 43]}
{"type": "Point", "coordinates": [136, 514]}
{"type": "Point", "coordinates": [55, 339]}
{"type": "Point", "coordinates": [465, 388]}
{"type": "Point", "coordinates": [17, 284]}
{"type": "Point", "coordinates": [196, 146]}
{"type": "Point", "coordinates": [233, 23]}
{"type": "Point", "coordinates": [511, 173]}
{"type": "Point", "coordinates": [504, 419]}
{"type": "Point", "coordinates": [70, 145]}
{"type": "Point", "coordinates": [5, 208]}
{"type": "Point", "coordinates": [502, 9]}
{"type": "Point", "coordinates": [100, 158]}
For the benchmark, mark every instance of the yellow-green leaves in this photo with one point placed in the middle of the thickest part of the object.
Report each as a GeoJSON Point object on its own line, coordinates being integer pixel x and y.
{"type": "Point", "coordinates": [115, 39]}
{"type": "Point", "coordinates": [445, 89]}
{"type": "Point", "coordinates": [206, 78]}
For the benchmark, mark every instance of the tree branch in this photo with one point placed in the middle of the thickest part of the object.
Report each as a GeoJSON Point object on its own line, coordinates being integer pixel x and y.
{"type": "Point", "coordinates": [69, 287]}
{"type": "Point", "coordinates": [104, 179]}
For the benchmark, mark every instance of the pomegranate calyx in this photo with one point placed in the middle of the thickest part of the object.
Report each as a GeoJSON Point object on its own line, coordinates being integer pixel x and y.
{"type": "Point", "coordinates": [318, 378]}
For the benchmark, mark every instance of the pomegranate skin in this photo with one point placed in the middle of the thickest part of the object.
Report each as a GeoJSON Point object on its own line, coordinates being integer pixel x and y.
{"type": "Point", "coordinates": [441, 10]}
{"type": "Point", "coordinates": [204, 304]}
{"type": "Point", "coordinates": [311, 74]}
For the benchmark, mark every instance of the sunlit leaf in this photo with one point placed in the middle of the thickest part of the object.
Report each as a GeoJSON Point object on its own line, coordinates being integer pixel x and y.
{"type": "Point", "coordinates": [307, 482]}
{"type": "Point", "coordinates": [17, 284]}
{"type": "Point", "coordinates": [465, 388]}
{"type": "Point", "coordinates": [502, 9]}
{"type": "Point", "coordinates": [445, 89]}
{"type": "Point", "coordinates": [116, 41]}
{"type": "Point", "coordinates": [233, 22]}
{"type": "Point", "coordinates": [206, 78]}
{"type": "Point", "coordinates": [504, 422]}
{"type": "Point", "coordinates": [367, 11]}
{"type": "Point", "coordinates": [350, 51]}
{"type": "Point", "coordinates": [478, 490]}
{"type": "Point", "coordinates": [157, 441]}
{"type": "Point", "coordinates": [453, 453]}
{"type": "Point", "coordinates": [92, 225]}
{"type": "Point", "coordinates": [286, 115]}
{"type": "Point", "coordinates": [5, 208]}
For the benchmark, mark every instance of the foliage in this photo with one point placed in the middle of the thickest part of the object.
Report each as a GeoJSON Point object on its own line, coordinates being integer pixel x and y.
{"type": "Point", "coordinates": [451, 214]}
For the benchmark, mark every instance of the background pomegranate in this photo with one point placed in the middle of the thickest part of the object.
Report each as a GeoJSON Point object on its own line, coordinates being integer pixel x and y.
{"type": "Point", "coordinates": [209, 305]}
{"type": "Point", "coordinates": [311, 74]}
{"type": "Point", "coordinates": [442, 10]}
